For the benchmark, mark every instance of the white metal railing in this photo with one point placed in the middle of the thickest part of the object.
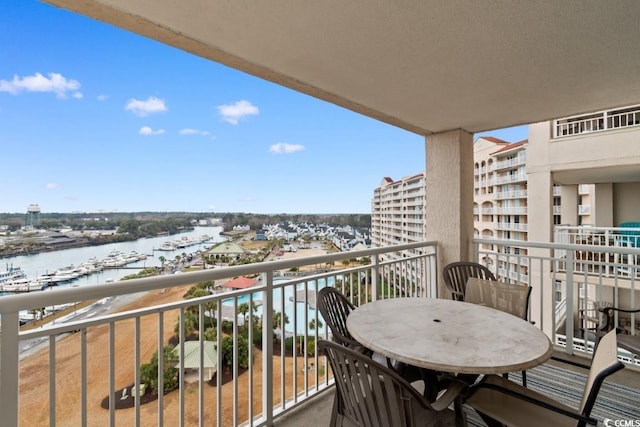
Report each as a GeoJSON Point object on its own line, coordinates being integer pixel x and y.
{"type": "Point", "coordinates": [272, 385]}
{"type": "Point", "coordinates": [608, 277]}
{"type": "Point", "coordinates": [513, 194]}
{"type": "Point", "coordinates": [517, 161]}
{"type": "Point", "coordinates": [597, 122]}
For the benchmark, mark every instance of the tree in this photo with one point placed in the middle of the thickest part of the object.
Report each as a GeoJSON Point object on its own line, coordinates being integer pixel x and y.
{"type": "Point", "coordinates": [211, 334]}
{"type": "Point", "coordinates": [313, 325]}
{"type": "Point", "coordinates": [244, 309]}
{"type": "Point", "coordinates": [243, 351]}
{"type": "Point", "coordinates": [190, 324]}
{"type": "Point", "coordinates": [149, 371]}
{"type": "Point", "coordinates": [277, 319]}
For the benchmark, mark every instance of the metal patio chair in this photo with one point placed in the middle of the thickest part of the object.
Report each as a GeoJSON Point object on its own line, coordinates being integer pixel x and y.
{"type": "Point", "coordinates": [512, 299]}
{"type": "Point", "coordinates": [502, 402]}
{"type": "Point", "coordinates": [456, 275]}
{"type": "Point", "coordinates": [369, 393]}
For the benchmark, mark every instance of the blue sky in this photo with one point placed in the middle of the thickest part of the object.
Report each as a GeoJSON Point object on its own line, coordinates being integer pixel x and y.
{"type": "Point", "coordinates": [94, 118]}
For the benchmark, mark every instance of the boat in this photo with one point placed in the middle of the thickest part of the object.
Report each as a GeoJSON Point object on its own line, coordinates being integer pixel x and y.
{"type": "Point", "coordinates": [65, 274]}
{"type": "Point", "coordinates": [22, 285]}
{"type": "Point", "coordinates": [167, 246]}
{"type": "Point", "coordinates": [11, 273]}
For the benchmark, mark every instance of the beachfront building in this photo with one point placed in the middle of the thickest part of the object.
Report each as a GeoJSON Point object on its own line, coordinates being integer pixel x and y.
{"type": "Point", "coordinates": [397, 217]}
{"type": "Point", "coordinates": [500, 202]}
{"type": "Point", "coordinates": [397, 211]}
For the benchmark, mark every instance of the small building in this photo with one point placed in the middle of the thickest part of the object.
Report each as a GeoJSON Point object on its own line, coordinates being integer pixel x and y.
{"type": "Point", "coordinates": [191, 363]}
{"type": "Point", "coordinates": [240, 283]}
{"type": "Point", "coordinates": [229, 250]}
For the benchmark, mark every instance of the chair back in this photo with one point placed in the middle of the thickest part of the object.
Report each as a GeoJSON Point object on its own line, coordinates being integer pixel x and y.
{"type": "Point", "coordinates": [334, 308]}
{"type": "Point", "coordinates": [510, 298]}
{"type": "Point", "coordinates": [456, 275]}
{"type": "Point", "coordinates": [604, 363]}
{"type": "Point", "coordinates": [371, 394]}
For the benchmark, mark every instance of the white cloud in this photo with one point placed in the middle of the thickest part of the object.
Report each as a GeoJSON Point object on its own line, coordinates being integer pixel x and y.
{"type": "Point", "coordinates": [52, 185]}
{"type": "Point", "coordinates": [147, 131]}
{"type": "Point", "coordinates": [188, 131]}
{"type": "Point", "coordinates": [78, 95]}
{"type": "Point", "coordinates": [144, 108]}
{"type": "Point", "coordinates": [234, 112]}
{"type": "Point", "coordinates": [103, 97]}
{"type": "Point", "coordinates": [54, 83]}
{"type": "Point", "coordinates": [284, 148]}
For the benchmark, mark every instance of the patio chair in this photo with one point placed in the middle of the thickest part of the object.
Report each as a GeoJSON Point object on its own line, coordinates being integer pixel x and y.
{"type": "Point", "coordinates": [512, 299]}
{"type": "Point", "coordinates": [334, 308]}
{"type": "Point", "coordinates": [370, 394]}
{"type": "Point", "coordinates": [628, 342]}
{"type": "Point", "coordinates": [456, 275]}
{"type": "Point", "coordinates": [502, 402]}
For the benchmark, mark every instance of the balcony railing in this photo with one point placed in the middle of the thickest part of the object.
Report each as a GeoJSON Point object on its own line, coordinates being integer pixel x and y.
{"type": "Point", "coordinates": [568, 286]}
{"type": "Point", "coordinates": [597, 122]}
{"type": "Point", "coordinates": [285, 371]}
{"type": "Point", "coordinates": [566, 289]}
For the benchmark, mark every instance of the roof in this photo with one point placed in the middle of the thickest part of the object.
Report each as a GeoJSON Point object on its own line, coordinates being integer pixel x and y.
{"type": "Point", "coordinates": [192, 354]}
{"type": "Point", "coordinates": [240, 283]}
{"type": "Point", "coordinates": [426, 66]}
{"type": "Point", "coordinates": [512, 146]}
{"type": "Point", "coordinates": [493, 139]}
{"type": "Point", "coordinates": [227, 248]}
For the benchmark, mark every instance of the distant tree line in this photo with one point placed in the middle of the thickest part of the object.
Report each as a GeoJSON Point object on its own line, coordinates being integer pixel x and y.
{"type": "Point", "coordinates": [150, 223]}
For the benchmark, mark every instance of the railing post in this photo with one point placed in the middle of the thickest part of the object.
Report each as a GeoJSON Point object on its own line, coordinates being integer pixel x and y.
{"type": "Point", "coordinates": [267, 349]}
{"type": "Point", "coordinates": [570, 310]}
{"type": "Point", "coordinates": [9, 356]}
{"type": "Point", "coordinates": [374, 277]}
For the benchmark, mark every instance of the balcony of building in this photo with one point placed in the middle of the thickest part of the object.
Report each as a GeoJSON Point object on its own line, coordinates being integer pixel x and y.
{"type": "Point", "coordinates": [56, 380]}
{"type": "Point", "coordinates": [601, 121]}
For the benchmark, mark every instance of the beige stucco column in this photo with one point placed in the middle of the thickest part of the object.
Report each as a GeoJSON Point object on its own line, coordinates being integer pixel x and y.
{"type": "Point", "coordinates": [569, 204]}
{"type": "Point", "coordinates": [449, 197]}
{"type": "Point", "coordinates": [602, 205]}
{"type": "Point", "coordinates": [540, 201]}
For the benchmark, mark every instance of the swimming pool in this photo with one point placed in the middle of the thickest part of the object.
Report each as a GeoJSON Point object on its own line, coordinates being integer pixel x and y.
{"type": "Point", "coordinates": [300, 325]}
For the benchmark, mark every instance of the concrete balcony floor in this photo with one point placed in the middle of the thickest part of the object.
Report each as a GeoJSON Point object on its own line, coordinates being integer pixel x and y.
{"type": "Point", "coordinates": [317, 412]}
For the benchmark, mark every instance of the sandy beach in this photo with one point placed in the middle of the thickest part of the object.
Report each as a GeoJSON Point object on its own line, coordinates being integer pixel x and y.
{"type": "Point", "coordinates": [34, 372]}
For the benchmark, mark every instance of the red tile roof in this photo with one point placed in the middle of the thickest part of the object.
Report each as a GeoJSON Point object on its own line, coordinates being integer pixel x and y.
{"type": "Point", "coordinates": [512, 146]}
{"type": "Point", "coordinates": [240, 283]}
{"type": "Point", "coordinates": [493, 139]}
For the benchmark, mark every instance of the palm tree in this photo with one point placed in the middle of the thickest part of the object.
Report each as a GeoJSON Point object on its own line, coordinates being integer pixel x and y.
{"type": "Point", "coordinates": [313, 324]}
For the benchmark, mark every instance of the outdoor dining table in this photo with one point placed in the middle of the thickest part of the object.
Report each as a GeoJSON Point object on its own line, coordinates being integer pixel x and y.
{"type": "Point", "coordinates": [449, 336]}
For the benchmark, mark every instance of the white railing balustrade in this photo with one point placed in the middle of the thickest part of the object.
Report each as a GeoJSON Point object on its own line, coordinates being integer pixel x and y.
{"type": "Point", "coordinates": [597, 122]}
{"type": "Point", "coordinates": [571, 281]}
{"type": "Point", "coordinates": [276, 376]}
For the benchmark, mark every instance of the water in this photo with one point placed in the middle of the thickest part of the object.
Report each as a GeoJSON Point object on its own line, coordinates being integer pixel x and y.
{"type": "Point", "coordinates": [48, 262]}
{"type": "Point", "coordinates": [300, 326]}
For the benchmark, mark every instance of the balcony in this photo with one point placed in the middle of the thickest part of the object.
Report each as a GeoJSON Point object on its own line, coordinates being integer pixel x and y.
{"type": "Point", "coordinates": [274, 383]}
{"type": "Point", "coordinates": [597, 122]}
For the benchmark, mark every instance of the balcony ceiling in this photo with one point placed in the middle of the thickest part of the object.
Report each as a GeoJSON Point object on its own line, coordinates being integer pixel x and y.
{"type": "Point", "coordinates": [427, 66]}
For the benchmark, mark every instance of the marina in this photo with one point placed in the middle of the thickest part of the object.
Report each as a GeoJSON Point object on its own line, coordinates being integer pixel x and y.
{"type": "Point", "coordinates": [100, 264]}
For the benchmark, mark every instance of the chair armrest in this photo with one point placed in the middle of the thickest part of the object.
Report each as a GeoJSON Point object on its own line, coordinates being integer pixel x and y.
{"type": "Point", "coordinates": [534, 401]}
{"type": "Point", "coordinates": [609, 314]}
{"type": "Point", "coordinates": [453, 391]}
